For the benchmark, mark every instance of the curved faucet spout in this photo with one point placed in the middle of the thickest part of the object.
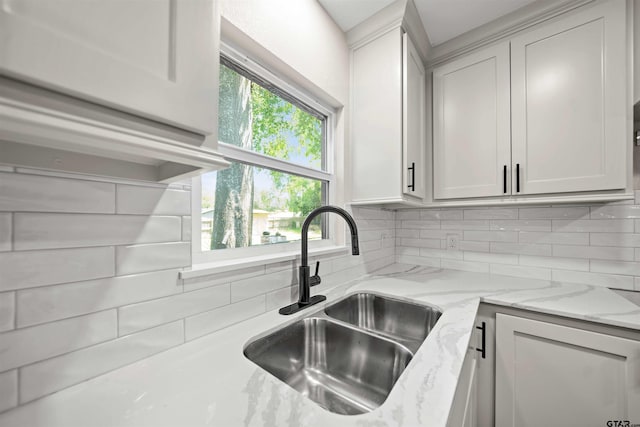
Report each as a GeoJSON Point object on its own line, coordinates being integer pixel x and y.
{"type": "Point", "coordinates": [305, 281]}
{"type": "Point", "coordinates": [355, 248]}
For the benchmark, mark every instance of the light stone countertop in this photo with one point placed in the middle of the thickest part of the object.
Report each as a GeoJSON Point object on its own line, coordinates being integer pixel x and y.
{"type": "Point", "coordinates": [209, 382]}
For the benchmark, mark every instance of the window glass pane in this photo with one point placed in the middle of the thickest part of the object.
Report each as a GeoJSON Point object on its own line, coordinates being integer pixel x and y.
{"type": "Point", "coordinates": [247, 206]}
{"type": "Point", "coordinates": [258, 117]}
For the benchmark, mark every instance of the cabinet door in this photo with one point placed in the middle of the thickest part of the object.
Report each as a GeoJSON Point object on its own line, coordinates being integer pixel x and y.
{"type": "Point", "coordinates": [154, 58]}
{"type": "Point", "coordinates": [376, 106]}
{"type": "Point", "coordinates": [471, 138]}
{"type": "Point", "coordinates": [568, 103]}
{"type": "Point", "coordinates": [463, 409]}
{"type": "Point", "coordinates": [552, 375]}
{"type": "Point", "coordinates": [413, 115]}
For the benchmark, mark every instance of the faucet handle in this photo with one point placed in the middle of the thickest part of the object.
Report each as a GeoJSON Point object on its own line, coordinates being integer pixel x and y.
{"type": "Point", "coordinates": [315, 279]}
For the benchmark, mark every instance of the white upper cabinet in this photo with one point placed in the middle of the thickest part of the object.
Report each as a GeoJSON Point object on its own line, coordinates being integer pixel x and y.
{"type": "Point", "coordinates": [413, 115]}
{"type": "Point", "coordinates": [471, 125]}
{"type": "Point", "coordinates": [153, 58]}
{"type": "Point", "coordinates": [388, 121]}
{"type": "Point", "coordinates": [542, 113]}
{"type": "Point", "coordinates": [569, 103]}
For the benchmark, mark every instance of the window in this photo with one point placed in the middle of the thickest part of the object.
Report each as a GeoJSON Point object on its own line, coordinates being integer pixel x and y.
{"type": "Point", "coordinates": [276, 139]}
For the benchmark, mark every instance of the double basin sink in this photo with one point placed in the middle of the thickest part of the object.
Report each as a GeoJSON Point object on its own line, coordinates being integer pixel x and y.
{"type": "Point", "coordinates": [348, 356]}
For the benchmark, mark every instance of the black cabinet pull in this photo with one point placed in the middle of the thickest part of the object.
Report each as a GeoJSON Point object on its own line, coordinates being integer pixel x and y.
{"type": "Point", "coordinates": [504, 179]}
{"type": "Point", "coordinates": [482, 350]}
{"type": "Point", "coordinates": [517, 177]}
{"type": "Point", "coordinates": [412, 186]}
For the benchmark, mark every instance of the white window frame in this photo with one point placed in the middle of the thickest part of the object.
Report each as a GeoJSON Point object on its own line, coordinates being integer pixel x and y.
{"type": "Point", "coordinates": [233, 153]}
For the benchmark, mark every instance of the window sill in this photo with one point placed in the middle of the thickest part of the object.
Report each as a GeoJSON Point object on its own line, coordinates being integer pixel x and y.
{"type": "Point", "coordinates": [206, 269]}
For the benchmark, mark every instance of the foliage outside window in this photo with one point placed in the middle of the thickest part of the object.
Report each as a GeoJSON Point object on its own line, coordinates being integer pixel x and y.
{"type": "Point", "coordinates": [275, 144]}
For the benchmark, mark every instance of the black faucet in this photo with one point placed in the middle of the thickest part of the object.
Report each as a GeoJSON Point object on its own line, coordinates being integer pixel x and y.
{"type": "Point", "coordinates": [305, 281]}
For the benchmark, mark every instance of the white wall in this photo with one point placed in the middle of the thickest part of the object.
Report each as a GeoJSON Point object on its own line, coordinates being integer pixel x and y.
{"type": "Point", "coordinates": [300, 34]}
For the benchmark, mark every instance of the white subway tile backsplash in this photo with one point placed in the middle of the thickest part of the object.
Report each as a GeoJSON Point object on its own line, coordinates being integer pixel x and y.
{"type": "Point", "coordinates": [466, 245]}
{"type": "Point", "coordinates": [616, 267]}
{"type": "Point", "coordinates": [408, 215]}
{"type": "Point", "coordinates": [431, 234]}
{"type": "Point", "coordinates": [8, 390]}
{"type": "Point", "coordinates": [222, 278]}
{"type": "Point", "coordinates": [521, 271]}
{"type": "Point", "coordinates": [33, 193]}
{"type": "Point", "coordinates": [595, 225]}
{"type": "Point", "coordinates": [420, 243]}
{"type": "Point", "coordinates": [430, 225]}
{"type": "Point", "coordinates": [280, 297]}
{"type": "Point", "coordinates": [248, 288]}
{"type": "Point", "coordinates": [186, 228]}
{"type": "Point", "coordinates": [594, 252]}
{"type": "Point", "coordinates": [410, 232]}
{"type": "Point", "coordinates": [521, 248]}
{"type": "Point", "coordinates": [7, 311]}
{"type": "Point", "coordinates": [492, 236]}
{"type": "Point", "coordinates": [22, 347]}
{"type": "Point", "coordinates": [465, 225]}
{"type": "Point", "coordinates": [151, 257]}
{"type": "Point", "coordinates": [87, 261]}
{"type": "Point", "coordinates": [553, 238]}
{"type": "Point", "coordinates": [595, 279]}
{"type": "Point", "coordinates": [491, 258]}
{"type": "Point", "coordinates": [51, 303]}
{"type": "Point", "coordinates": [6, 234]}
{"type": "Point", "coordinates": [132, 199]}
{"type": "Point", "coordinates": [38, 268]}
{"type": "Point", "coordinates": [145, 315]}
{"type": "Point", "coordinates": [521, 225]}
{"type": "Point", "coordinates": [430, 214]}
{"type": "Point", "coordinates": [615, 239]}
{"type": "Point", "coordinates": [615, 211]}
{"type": "Point", "coordinates": [565, 212]}
{"type": "Point", "coordinates": [211, 321]}
{"type": "Point", "coordinates": [47, 231]}
{"type": "Point", "coordinates": [576, 264]}
{"type": "Point", "coordinates": [491, 213]}
{"type": "Point", "coordinates": [51, 375]}
{"type": "Point", "coordinates": [407, 251]}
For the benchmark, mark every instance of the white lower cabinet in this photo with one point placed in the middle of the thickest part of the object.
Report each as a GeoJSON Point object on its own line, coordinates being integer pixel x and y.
{"type": "Point", "coordinates": [464, 408]}
{"type": "Point", "coordinates": [552, 375]}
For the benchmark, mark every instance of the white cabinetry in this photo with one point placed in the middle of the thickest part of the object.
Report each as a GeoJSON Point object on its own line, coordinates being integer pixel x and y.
{"type": "Point", "coordinates": [124, 89]}
{"type": "Point", "coordinates": [464, 408]}
{"type": "Point", "coordinates": [388, 121]}
{"type": "Point", "coordinates": [155, 58]}
{"type": "Point", "coordinates": [567, 117]}
{"type": "Point", "coordinates": [548, 374]}
{"type": "Point", "coordinates": [569, 103]}
{"type": "Point", "coordinates": [471, 125]}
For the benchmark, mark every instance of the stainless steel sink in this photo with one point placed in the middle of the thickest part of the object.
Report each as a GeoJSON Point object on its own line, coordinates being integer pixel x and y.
{"type": "Point", "coordinates": [400, 320]}
{"type": "Point", "coordinates": [347, 357]}
{"type": "Point", "coordinates": [342, 369]}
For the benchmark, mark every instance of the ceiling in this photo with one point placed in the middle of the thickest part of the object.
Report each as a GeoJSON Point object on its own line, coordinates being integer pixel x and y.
{"type": "Point", "coordinates": [442, 19]}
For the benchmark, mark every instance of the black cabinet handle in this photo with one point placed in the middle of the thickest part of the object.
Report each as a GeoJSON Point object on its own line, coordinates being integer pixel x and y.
{"type": "Point", "coordinates": [482, 350]}
{"type": "Point", "coordinates": [412, 186]}
{"type": "Point", "coordinates": [517, 177]}
{"type": "Point", "coordinates": [504, 179]}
